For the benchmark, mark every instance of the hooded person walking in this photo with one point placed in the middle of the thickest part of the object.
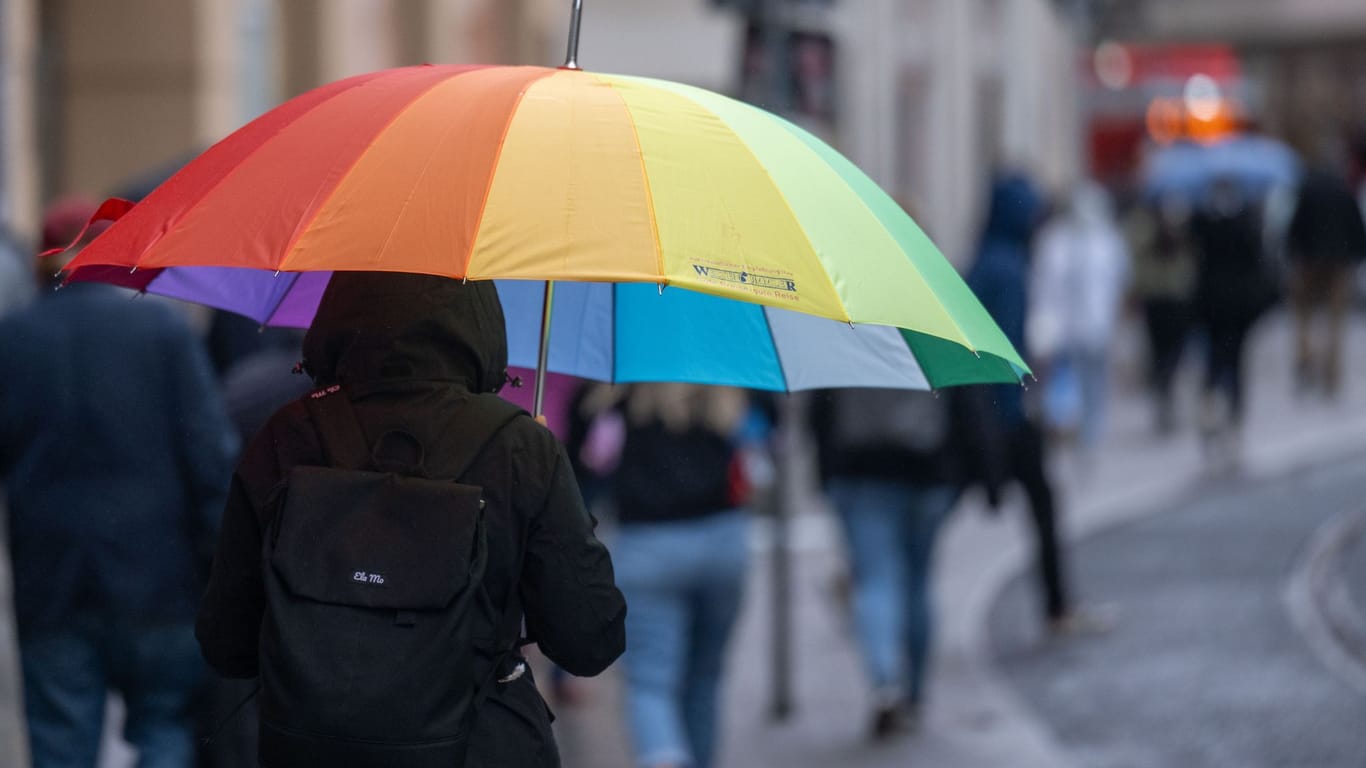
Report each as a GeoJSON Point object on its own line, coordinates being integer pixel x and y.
{"type": "Point", "coordinates": [1001, 439]}
{"type": "Point", "coordinates": [414, 360]}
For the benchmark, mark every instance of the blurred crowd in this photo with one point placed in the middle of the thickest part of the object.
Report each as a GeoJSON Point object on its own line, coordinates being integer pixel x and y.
{"type": "Point", "coordinates": [121, 419]}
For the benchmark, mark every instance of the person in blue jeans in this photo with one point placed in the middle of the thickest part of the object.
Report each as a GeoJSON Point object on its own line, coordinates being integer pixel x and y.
{"type": "Point", "coordinates": [681, 555]}
{"type": "Point", "coordinates": [888, 475]}
{"type": "Point", "coordinates": [115, 452]}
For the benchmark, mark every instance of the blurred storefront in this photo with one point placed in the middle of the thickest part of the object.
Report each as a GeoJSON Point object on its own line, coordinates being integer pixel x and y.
{"type": "Point", "coordinates": [930, 96]}
{"type": "Point", "coordinates": [97, 94]}
{"type": "Point", "coordinates": [1293, 69]}
{"type": "Point", "coordinates": [927, 95]}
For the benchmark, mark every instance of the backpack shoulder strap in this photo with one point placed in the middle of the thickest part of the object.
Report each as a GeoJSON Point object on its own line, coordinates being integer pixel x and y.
{"type": "Point", "coordinates": [344, 444]}
{"type": "Point", "coordinates": [482, 417]}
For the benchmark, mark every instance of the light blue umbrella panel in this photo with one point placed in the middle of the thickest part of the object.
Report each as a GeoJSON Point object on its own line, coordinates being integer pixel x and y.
{"type": "Point", "coordinates": [624, 332]}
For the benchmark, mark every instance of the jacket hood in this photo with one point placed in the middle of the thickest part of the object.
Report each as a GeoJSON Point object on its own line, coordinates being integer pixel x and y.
{"type": "Point", "coordinates": [373, 328]}
{"type": "Point", "coordinates": [1013, 211]}
{"type": "Point", "coordinates": [1091, 207]}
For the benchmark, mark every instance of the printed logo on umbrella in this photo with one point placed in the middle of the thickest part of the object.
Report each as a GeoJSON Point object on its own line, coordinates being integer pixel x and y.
{"type": "Point", "coordinates": [745, 277]}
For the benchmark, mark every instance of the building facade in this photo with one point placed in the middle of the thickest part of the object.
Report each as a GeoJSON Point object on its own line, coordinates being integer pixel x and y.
{"type": "Point", "coordinates": [928, 96]}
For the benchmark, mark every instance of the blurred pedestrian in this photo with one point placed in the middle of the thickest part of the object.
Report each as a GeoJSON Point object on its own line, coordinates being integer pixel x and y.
{"type": "Point", "coordinates": [416, 359]}
{"type": "Point", "coordinates": [116, 453]}
{"type": "Point", "coordinates": [1326, 243]}
{"type": "Point", "coordinates": [682, 551]}
{"type": "Point", "coordinates": [593, 437]}
{"type": "Point", "coordinates": [1077, 284]}
{"type": "Point", "coordinates": [1002, 442]}
{"type": "Point", "coordinates": [1163, 284]}
{"type": "Point", "coordinates": [885, 465]}
{"type": "Point", "coordinates": [1234, 286]}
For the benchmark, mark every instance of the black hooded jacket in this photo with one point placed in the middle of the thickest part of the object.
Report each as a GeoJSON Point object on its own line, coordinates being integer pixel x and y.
{"type": "Point", "coordinates": [408, 350]}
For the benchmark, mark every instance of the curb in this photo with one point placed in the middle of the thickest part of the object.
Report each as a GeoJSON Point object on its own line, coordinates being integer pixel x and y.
{"type": "Point", "coordinates": [1142, 500]}
{"type": "Point", "coordinates": [1319, 604]}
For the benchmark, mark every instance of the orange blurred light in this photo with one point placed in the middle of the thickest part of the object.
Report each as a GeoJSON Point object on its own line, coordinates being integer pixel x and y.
{"type": "Point", "coordinates": [1163, 120]}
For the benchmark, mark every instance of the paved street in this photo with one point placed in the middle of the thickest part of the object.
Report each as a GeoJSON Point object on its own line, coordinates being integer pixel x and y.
{"type": "Point", "coordinates": [978, 717]}
{"type": "Point", "coordinates": [1206, 666]}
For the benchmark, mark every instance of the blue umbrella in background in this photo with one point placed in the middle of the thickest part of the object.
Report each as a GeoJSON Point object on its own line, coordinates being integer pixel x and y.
{"type": "Point", "coordinates": [1258, 163]}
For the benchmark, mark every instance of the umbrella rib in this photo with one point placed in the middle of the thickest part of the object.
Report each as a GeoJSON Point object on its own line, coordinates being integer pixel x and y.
{"type": "Point", "coordinates": [774, 341]}
{"type": "Point", "coordinates": [304, 224]}
{"type": "Point", "coordinates": [493, 170]}
{"type": "Point", "coordinates": [645, 176]}
{"type": "Point", "coordinates": [293, 278]}
{"type": "Point", "coordinates": [796, 221]}
{"type": "Point", "coordinates": [355, 82]}
{"type": "Point", "coordinates": [966, 339]}
{"type": "Point", "coordinates": [612, 366]}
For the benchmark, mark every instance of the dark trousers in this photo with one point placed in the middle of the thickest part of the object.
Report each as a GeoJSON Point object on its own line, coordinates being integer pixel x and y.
{"type": "Point", "coordinates": [1027, 467]}
{"type": "Point", "coordinates": [1224, 363]}
{"type": "Point", "coordinates": [1320, 288]}
{"type": "Point", "coordinates": [1168, 323]}
{"type": "Point", "coordinates": [68, 672]}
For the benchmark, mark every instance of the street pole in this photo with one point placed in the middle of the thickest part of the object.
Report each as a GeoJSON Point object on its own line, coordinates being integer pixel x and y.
{"type": "Point", "coordinates": [1084, 29]}
{"type": "Point", "coordinates": [773, 33]}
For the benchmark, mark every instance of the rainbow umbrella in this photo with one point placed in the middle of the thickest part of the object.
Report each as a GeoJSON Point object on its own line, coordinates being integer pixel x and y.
{"type": "Point", "coordinates": [534, 173]}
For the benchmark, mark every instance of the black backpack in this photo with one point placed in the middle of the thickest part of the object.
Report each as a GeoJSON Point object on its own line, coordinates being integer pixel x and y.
{"type": "Point", "coordinates": [373, 582]}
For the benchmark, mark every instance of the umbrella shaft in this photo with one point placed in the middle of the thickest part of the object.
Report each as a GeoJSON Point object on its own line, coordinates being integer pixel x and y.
{"type": "Point", "coordinates": [571, 56]}
{"type": "Point", "coordinates": [538, 395]}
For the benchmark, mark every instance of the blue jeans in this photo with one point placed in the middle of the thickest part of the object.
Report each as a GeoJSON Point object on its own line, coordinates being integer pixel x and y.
{"type": "Point", "coordinates": [683, 583]}
{"type": "Point", "coordinates": [890, 528]}
{"type": "Point", "coordinates": [68, 673]}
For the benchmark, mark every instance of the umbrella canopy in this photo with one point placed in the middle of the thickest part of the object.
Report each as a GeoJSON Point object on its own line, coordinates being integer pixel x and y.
{"type": "Point", "coordinates": [1257, 163]}
{"type": "Point", "coordinates": [544, 174]}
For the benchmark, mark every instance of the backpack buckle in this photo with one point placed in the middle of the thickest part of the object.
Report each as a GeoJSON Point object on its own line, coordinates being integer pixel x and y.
{"type": "Point", "coordinates": [516, 672]}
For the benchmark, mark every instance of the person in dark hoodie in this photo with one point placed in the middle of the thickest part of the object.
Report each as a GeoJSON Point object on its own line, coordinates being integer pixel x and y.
{"type": "Point", "coordinates": [409, 352]}
{"type": "Point", "coordinates": [1001, 440]}
{"type": "Point", "coordinates": [1327, 242]}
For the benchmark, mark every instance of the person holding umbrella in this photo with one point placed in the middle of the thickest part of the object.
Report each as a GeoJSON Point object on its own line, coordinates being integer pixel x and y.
{"type": "Point", "coordinates": [416, 359]}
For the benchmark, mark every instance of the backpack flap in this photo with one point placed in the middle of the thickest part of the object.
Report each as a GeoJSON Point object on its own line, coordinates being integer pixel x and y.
{"type": "Point", "coordinates": [378, 540]}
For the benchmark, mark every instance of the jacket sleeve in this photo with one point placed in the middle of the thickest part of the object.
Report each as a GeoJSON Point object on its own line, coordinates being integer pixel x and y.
{"type": "Point", "coordinates": [573, 608]}
{"type": "Point", "coordinates": [229, 619]}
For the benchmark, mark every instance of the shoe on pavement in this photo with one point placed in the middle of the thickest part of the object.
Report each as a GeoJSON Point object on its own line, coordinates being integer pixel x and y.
{"type": "Point", "coordinates": [888, 722]}
{"type": "Point", "coordinates": [893, 716]}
